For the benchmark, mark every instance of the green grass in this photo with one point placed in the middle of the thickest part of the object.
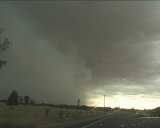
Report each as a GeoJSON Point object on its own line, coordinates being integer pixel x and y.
{"type": "Point", "coordinates": [34, 116]}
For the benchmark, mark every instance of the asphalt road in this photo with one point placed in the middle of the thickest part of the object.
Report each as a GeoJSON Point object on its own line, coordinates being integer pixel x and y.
{"type": "Point", "coordinates": [120, 120]}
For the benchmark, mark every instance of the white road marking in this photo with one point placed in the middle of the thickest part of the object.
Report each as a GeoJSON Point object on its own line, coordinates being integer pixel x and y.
{"type": "Point", "coordinates": [99, 120]}
{"type": "Point", "coordinates": [150, 117]}
{"type": "Point", "coordinates": [93, 123]}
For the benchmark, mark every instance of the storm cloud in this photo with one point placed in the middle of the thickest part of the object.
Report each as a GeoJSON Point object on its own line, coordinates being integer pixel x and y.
{"type": "Point", "coordinates": [62, 51]}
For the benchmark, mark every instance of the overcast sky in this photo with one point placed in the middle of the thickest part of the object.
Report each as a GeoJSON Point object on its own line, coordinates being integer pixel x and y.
{"type": "Point", "coordinates": [62, 51]}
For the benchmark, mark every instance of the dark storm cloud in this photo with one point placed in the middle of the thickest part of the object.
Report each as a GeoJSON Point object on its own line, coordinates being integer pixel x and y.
{"type": "Point", "coordinates": [72, 48]}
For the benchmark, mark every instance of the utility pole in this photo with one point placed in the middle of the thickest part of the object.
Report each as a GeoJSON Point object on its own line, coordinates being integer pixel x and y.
{"type": "Point", "coordinates": [78, 103]}
{"type": "Point", "coordinates": [104, 103]}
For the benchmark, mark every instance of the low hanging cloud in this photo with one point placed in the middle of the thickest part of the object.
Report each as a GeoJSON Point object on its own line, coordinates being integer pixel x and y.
{"type": "Point", "coordinates": [65, 50]}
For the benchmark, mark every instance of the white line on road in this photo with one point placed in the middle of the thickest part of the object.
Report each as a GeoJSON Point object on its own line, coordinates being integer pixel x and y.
{"type": "Point", "coordinates": [93, 123]}
{"type": "Point", "coordinates": [99, 120]}
{"type": "Point", "coordinates": [150, 117]}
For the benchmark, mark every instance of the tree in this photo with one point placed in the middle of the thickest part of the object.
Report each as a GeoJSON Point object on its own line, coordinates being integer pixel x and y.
{"type": "Point", "coordinates": [32, 102]}
{"type": "Point", "coordinates": [2, 62]}
{"type": "Point", "coordinates": [26, 100]}
{"type": "Point", "coordinates": [4, 44]}
{"type": "Point", "coordinates": [13, 98]}
{"type": "Point", "coordinates": [21, 100]}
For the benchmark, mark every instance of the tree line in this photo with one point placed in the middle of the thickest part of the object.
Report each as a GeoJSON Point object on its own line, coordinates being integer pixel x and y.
{"type": "Point", "coordinates": [14, 99]}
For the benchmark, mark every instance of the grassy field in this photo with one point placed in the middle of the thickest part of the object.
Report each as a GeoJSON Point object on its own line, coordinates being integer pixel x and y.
{"type": "Point", "coordinates": [34, 116]}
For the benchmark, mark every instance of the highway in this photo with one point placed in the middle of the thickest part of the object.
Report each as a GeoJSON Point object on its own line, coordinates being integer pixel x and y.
{"type": "Point", "coordinates": [120, 120]}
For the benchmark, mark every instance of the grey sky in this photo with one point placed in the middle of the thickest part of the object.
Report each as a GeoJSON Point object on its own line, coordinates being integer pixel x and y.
{"type": "Point", "coordinates": [64, 50]}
